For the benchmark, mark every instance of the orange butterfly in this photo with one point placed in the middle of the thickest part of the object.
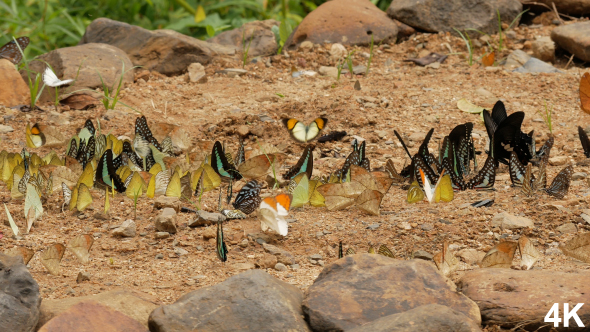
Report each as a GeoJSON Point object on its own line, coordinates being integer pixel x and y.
{"type": "Point", "coordinates": [488, 60]}
{"type": "Point", "coordinates": [585, 92]}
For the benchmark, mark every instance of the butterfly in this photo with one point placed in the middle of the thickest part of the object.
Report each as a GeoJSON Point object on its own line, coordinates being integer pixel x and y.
{"type": "Point", "coordinates": [333, 136]}
{"type": "Point", "coordinates": [340, 252]}
{"type": "Point", "coordinates": [303, 133]}
{"type": "Point", "coordinates": [51, 80]}
{"type": "Point", "coordinates": [51, 258]}
{"type": "Point", "coordinates": [483, 203]}
{"type": "Point", "coordinates": [143, 130]}
{"type": "Point", "coordinates": [259, 165]}
{"type": "Point", "coordinates": [383, 250]}
{"type": "Point", "coordinates": [485, 178]}
{"type": "Point", "coordinates": [240, 155]}
{"type": "Point", "coordinates": [415, 193]}
{"type": "Point", "coordinates": [34, 136]}
{"type": "Point", "coordinates": [585, 92]}
{"type": "Point", "coordinates": [33, 206]}
{"type": "Point", "coordinates": [419, 164]}
{"type": "Point", "coordinates": [462, 149]}
{"type": "Point", "coordinates": [561, 184]}
{"type": "Point", "coordinates": [304, 165]}
{"type": "Point", "coordinates": [248, 199]}
{"type": "Point", "coordinates": [442, 191]}
{"type": "Point", "coordinates": [517, 170]}
{"type": "Point", "coordinates": [544, 151]}
{"type": "Point", "coordinates": [90, 127]}
{"type": "Point", "coordinates": [371, 250]}
{"type": "Point", "coordinates": [505, 134]}
{"type": "Point", "coordinates": [304, 191]}
{"type": "Point", "coordinates": [229, 214]}
{"type": "Point", "coordinates": [527, 181]}
{"type": "Point", "coordinates": [127, 153]}
{"type": "Point", "coordinates": [80, 246]}
{"type": "Point", "coordinates": [220, 244]}
{"type": "Point", "coordinates": [390, 169]}
{"type": "Point", "coordinates": [445, 261]}
{"type": "Point", "coordinates": [488, 60]}
{"type": "Point", "coordinates": [457, 181]}
{"type": "Point", "coordinates": [11, 52]}
{"type": "Point", "coordinates": [584, 140]}
{"type": "Point", "coordinates": [26, 253]}
{"type": "Point", "coordinates": [106, 173]}
{"type": "Point", "coordinates": [500, 256]}
{"type": "Point", "coordinates": [135, 185]}
{"type": "Point", "coordinates": [352, 159]}
{"type": "Point", "coordinates": [220, 164]}
{"type": "Point", "coordinates": [80, 198]}
{"type": "Point", "coordinates": [364, 162]}
{"type": "Point", "coordinates": [273, 211]}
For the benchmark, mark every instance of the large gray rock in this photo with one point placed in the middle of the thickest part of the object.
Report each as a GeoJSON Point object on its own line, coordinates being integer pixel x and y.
{"type": "Point", "coordinates": [349, 22]}
{"type": "Point", "coordinates": [93, 60]}
{"type": "Point", "coordinates": [359, 289]}
{"type": "Point", "coordinates": [575, 38]}
{"type": "Point", "coordinates": [426, 318]}
{"type": "Point", "coordinates": [19, 296]}
{"type": "Point", "coordinates": [250, 301]}
{"type": "Point", "coordinates": [571, 7]}
{"type": "Point", "coordinates": [165, 51]}
{"type": "Point", "coordinates": [436, 15]}
{"type": "Point", "coordinates": [534, 65]}
{"type": "Point", "coordinates": [263, 42]}
{"type": "Point", "coordinates": [508, 297]}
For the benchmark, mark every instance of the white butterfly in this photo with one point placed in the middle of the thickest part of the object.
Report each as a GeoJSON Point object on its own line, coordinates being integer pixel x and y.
{"type": "Point", "coordinates": [50, 79]}
{"type": "Point", "coordinates": [272, 213]}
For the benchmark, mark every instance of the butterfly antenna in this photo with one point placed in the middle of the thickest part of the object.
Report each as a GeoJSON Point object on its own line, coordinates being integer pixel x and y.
{"type": "Point", "coordinates": [403, 144]}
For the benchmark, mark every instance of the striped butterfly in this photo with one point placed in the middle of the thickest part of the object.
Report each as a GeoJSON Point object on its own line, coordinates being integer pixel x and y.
{"type": "Point", "coordinates": [221, 165]}
{"type": "Point", "coordinates": [527, 181]}
{"type": "Point", "coordinates": [106, 172]}
{"type": "Point", "coordinates": [383, 250]}
{"type": "Point", "coordinates": [304, 165]}
{"type": "Point", "coordinates": [561, 184]}
{"type": "Point", "coordinates": [352, 159]}
{"type": "Point", "coordinates": [458, 182]}
{"type": "Point", "coordinates": [585, 141]}
{"type": "Point", "coordinates": [143, 130]}
{"type": "Point", "coordinates": [390, 169]}
{"type": "Point", "coordinates": [486, 177]}
{"type": "Point", "coordinates": [221, 247]}
{"type": "Point", "coordinates": [248, 199]}
{"type": "Point", "coordinates": [303, 133]}
{"type": "Point", "coordinates": [11, 52]}
{"type": "Point", "coordinates": [229, 214]}
{"type": "Point", "coordinates": [517, 170]}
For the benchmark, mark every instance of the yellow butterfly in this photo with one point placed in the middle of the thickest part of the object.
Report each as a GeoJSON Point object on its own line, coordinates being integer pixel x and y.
{"type": "Point", "coordinates": [34, 136]}
{"type": "Point", "coordinates": [81, 198]}
{"type": "Point", "coordinates": [442, 191]}
{"type": "Point", "coordinates": [415, 193]}
{"type": "Point", "coordinates": [173, 188]}
{"type": "Point", "coordinates": [87, 176]}
{"type": "Point", "coordinates": [303, 133]}
{"type": "Point", "coordinates": [211, 179]}
{"type": "Point", "coordinates": [135, 186]}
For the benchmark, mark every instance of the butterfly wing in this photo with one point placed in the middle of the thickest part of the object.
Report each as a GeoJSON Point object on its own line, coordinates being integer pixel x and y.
{"type": "Point", "coordinates": [106, 173]}
{"type": "Point", "coordinates": [527, 181]}
{"type": "Point", "coordinates": [444, 189]}
{"type": "Point", "coordinates": [301, 192]}
{"type": "Point", "coordinates": [11, 51]}
{"type": "Point", "coordinates": [561, 184]}
{"type": "Point", "coordinates": [304, 164]}
{"type": "Point", "coordinates": [415, 193]}
{"type": "Point", "coordinates": [517, 170]}
{"type": "Point", "coordinates": [220, 164]}
{"type": "Point", "coordinates": [248, 199]}
{"type": "Point", "coordinates": [314, 128]}
{"type": "Point", "coordinates": [585, 92]}
{"type": "Point", "coordinates": [585, 141]}
{"type": "Point", "coordinates": [427, 188]}
{"type": "Point", "coordinates": [484, 180]}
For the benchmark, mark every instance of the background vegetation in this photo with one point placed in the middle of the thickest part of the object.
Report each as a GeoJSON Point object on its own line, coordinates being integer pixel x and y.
{"type": "Point", "coordinates": [52, 24]}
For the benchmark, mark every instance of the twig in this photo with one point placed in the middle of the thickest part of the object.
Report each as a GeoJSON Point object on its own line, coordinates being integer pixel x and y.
{"type": "Point", "coordinates": [569, 62]}
{"type": "Point", "coordinates": [544, 5]}
{"type": "Point", "coordinates": [556, 12]}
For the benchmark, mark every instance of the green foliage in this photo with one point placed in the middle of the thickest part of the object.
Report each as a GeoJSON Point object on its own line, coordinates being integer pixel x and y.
{"type": "Point", "coordinates": [282, 33]}
{"type": "Point", "coordinates": [245, 49]}
{"type": "Point", "coordinates": [35, 87]}
{"type": "Point", "coordinates": [349, 63]}
{"type": "Point", "coordinates": [370, 55]}
{"type": "Point", "coordinates": [547, 117]}
{"type": "Point", "coordinates": [468, 44]}
{"type": "Point", "coordinates": [111, 95]}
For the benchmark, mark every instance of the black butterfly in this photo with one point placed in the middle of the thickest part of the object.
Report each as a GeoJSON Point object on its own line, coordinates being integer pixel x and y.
{"type": "Point", "coordinates": [364, 162]}
{"type": "Point", "coordinates": [422, 150]}
{"type": "Point", "coordinates": [585, 141]}
{"type": "Point", "coordinates": [221, 248]}
{"type": "Point", "coordinates": [240, 156]}
{"type": "Point", "coordinates": [517, 170]}
{"type": "Point", "coordinates": [106, 172]}
{"type": "Point", "coordinates": [390, 169]}
{"type": "Point", "coordinates": [333, 136]}
{"type": "Point", "coordinates": [483, 203]}
{"type": "Point", "coordinates": [127, 153]}
{"type": "Point", "coordinates": [221, 165]}
{"type": "Point", "coordinates": [458, 182]}
{"type": "Point", "coordinates": [248, 199]}
{"type": "Point", "coordinates": [340, 252]}
{"type": "Point", "coordinates": [89, 151]}
{"type": "Point", "coordinates": [543, 152]}
{"type": "Point", "coordinates": [418, 163]}
{"type": "Point", "coordinates": [463, 151]}
{"type": "Point", "coordinates": [72, 149]}
{"type": "Point", "coordinates": [11, 52]}
{"type": "Point", "coordinates": [507, 134]}
{"type": "Point", "coordinates": [561, 184]}
{"type": "Point", "coordinates": [352, 159]}
{"type": "Point", "coordinates": [142, 129]}
{"type": "Point", "coordinates": [484, 180]}
{"type": "Point", "coordinates": [88, 125]}
{"type": "Point", "coordinates": [304, 165]}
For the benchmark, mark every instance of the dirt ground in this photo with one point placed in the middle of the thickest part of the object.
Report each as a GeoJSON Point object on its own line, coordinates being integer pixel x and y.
{"type": "Point", "coordinates": [408, 98]}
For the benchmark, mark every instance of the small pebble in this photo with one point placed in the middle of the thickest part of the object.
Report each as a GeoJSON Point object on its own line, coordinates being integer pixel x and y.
{"type": "Point", "coordinates": [159, 256]}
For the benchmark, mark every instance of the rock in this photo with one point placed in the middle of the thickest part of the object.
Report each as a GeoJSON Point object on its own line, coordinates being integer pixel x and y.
{"type": "Point", "coordinates": [250, 301]}
{"type": "Point", "coordinates": [180, 252]}
{"type": "Point", "coordinates": [91, 60]}
{"type": "Point", "coordinates": [507, 221]}
{"type": "Point", "coordinates": [484, 93]}
{"type": "Point", "coordinates": [579, 176]}
{"type": "Point", "coordinates": [506, 297]}
{"type": "Point", "coordinates": [430, 317]}
{"type": "Point", "coordinates": [571, 7]}
{"type": "Point", "coordinates": [567, 228]}
{"type": "Point", "coordinates": [516, 58]}
{"type": "Point", "coordinates": [196, 73]}
{"type": "Point", "coordinates": [175, 51]}
{"type": "Point", "coordinates": [404, 31]}
{"type": "Point", "coordinates": [421, 254]}
{"type": "Point", "coordinates": [134, 304]}
{"type": "Point", "coordinates": [91, 316]}
{"type": "Point", "coordinates": [162, 202]}
{"type": "Point", "coordinates": [82, 276]}
{"type": "Point", "coordinates": [19, 296]}
{"type": "Point", "coordinates": [266, 262]}
{"type": "Point", "coordinates": [232, 72]}
{"type": "Point", "coordinates": [328, 71]}
{"type": "Point", "coordinates": [263, 39]}
{"type": "Point", "coordinates": [558, 160]}
{"type": "Point", "coordinates": [166, 221]}
{"type": "Point", "coordinates": [470, 256]}
{"type": "Point", "coordinates": [15, 90]}
{"type": "Point", "coordinates": [342, 294]}
{"type": "Point", "coordinates": [204, 218]}
{"type": "Point", "coordinates": [306, 45]}
{"type": "Point", "coordinates": [280, 267]}
{"type": "Point", "coordinates": [534, 65]}
{"type": "Point", "coordinates": [243, 266]}
{"type": "Point", "coordinates": [127, 229]}
{"type": "Point", "coordinates": [349, 22]}
{"type": "Point", "coordinates": [544, 49]}
{"type": "Point", "coordinates": [162, 235]}
{"type": "Point", "coordinates": [209, 233]}
{"type": "Point", "coordinates": [338, 51]}
{"type": "Point", "coordinates": [6, 129]}
{"type": "Point", "coordinates": [243, 130]}
{"type": "Point", "coordinates": [575, 38]}
{"type": "Point", "coordinates": [283, 256]}
{"type": "Point", "coordinates": [436, 16]}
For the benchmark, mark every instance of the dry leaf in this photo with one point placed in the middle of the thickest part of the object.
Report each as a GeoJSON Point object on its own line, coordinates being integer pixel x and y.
{"type": "Point", "coordinates": [585, 92]}
{"type": "Point", "coordinates": [528, 253]}
{"type": "Point", "coordinates": [51, 257]}
{"type": "Point", "coordinates": [578, 247]}
{"type": "Point", "coordinates": [80, 246]}
{"type": "Point", "coordinates": [24, 252]}
{"type": "Point", "coordinates": [79, 101]}
{"type": "Point", "coordinates": [500, 256]}
{"type": "Point", "coordinates": [369, 201]}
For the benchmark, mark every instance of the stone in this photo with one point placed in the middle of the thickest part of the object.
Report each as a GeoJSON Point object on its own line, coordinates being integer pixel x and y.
{"type": "Point", "coordinates": [19, 296]}
{"type": "Point", "coordinates": [281, 267]}
{"type": "Point", "coordinates": [436, 16]}
{"type": "Point", "coordinates": [243, 130]}
{"type": "Point", "coordinates": [90, 316]}
{"type": "Point", "coordinates": [430, 317]}
{"type": "Point", "coordinates": [507, 297]}
{"type": "Point", "coordinates": [91, 60]}
{"type": "Point", "coordinates": [204, 218]}
{"type": "Point", "coordinates": [180, 252]}
{"type": "Point", "coordinates": [470, 256]}
{"type": "Point", "coordinates": [283, 256]}
{"type": "Point", "coordinates": [338, 51]}
{"type": "Point", "coordinates": [15, 90]}
{"type": "Point", "coordinates": [558, 160]}
{"type": "Point", "coordinates": [4, 129]}
{"type": "Point", "coordinates": [574, 38]}
{"type": "Point", "coordinates": [164, 51]}
{"type": "Point", "coordinates": [166, 221]}
{"type": "Point", "coordinates": [243, 266]}
{"type": "Point", "coordinates": [347, 292]}
{"type": "Point", "coordinates": [209, 233]}
{"type": "Point", "coordinates": [579, 176]}
{"type": "Point", "coordinates": [82, 276]}
{"type": "Point", "coordinates": [162, 235]}
{"type": "Point", "coordinates": [328, 71]}
{"type": "Point", "coordinates": [404, 31]}
{"type": "Point", "coordinates": [127, 229]}
{"type": "Point", "coordinates": [267, 261]}
{"type": "Point", "coordinates": [421, 254]}
{"type": "Point", "coordinates": [162, 202]}
{"type": "Point", "coordinates": [505, 220]}
{"type": "Point", "coordinates": [232, 72]}
{"type": "Point", "coordinates": [196, 73]}
{"type": "Point", "coordinates": [349, 22]}
{"type": "Point", "coordinates": [516, 58]}
{"type": "Point", "coordinates": [571, 7]}
{"type": "Point", "coordinates": [134, 304]}
{"type": "Point", "coordinates": [544, 49]}
{"type": "Point", "coordinates": [306, 45]}
{"type": "Point", "coordinates": [534, 65]}
{"type": "Point", "coordinates": [567, 228]}
{"type": "Point", "coordinates": [263, 42]}
{"type": "Point", "coordinates": [250, 301]}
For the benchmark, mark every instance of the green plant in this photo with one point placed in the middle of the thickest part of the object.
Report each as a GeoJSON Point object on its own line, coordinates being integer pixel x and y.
{"type": "Point", "coordinates": [280, 95]}
{"type": "Point", "coordinates": [349, 63]}
{"type": "Point", "coordinates": [547, 117]}
{"type": "Point", "coordinates": [34, 89]}
{"type": "Point", "coordinates": [339, 66]}
{"type": "Point", "coordinates": [272, 165]}
{"type": "Point", "coordinates": [500, 46]}
{"type": "Point", "coordinates": [111, 95]}
{"type": "Point", "coordinates": [370, 55]}
{"type": "Point", "coordinates": [282, 33]}
{"type": "Point", "coordinates": [468, 44]}
{"type": "Point", "coordinates": [246, 50]}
